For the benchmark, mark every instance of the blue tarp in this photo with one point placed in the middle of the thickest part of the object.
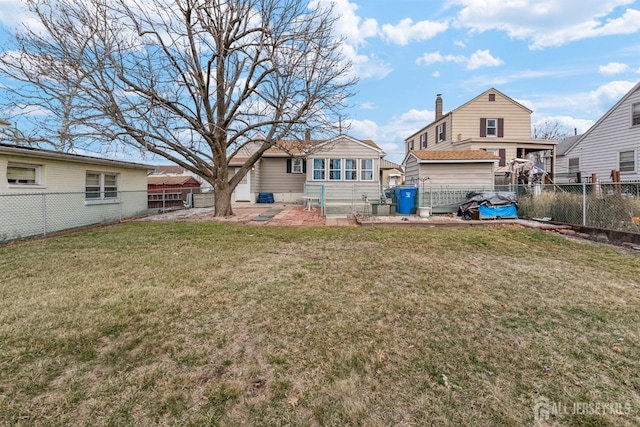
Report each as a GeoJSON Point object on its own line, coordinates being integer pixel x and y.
{"type": "Point", "coordinates": [492, 212]}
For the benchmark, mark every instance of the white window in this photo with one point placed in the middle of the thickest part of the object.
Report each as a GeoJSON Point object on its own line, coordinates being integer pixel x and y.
{"type": "Point", "coordinates": [351, 169]}
{"type": "Point", "coordinates": [335, 169]}
{"type": "Point", "coordinates": [627, 161]}
{"type": "Point", "coordinates": [23, 174]}
{"type": "Point", "coordinates": [574, 165]}
{"type": "Point", "coordinates": [366, 170]}
{"type": "Point", "coordinates": [411, 145]}
{"type": "Point", "coordinates": [423, 141]}
{"type": "Point", "coordinates": [318, 169]}
{"type": "Point", "coordinates": [101, 186]}
{"type": "Point", "coordinates": [492, 127]}
{"type": "Point", "coordinates": [296, 165]}
{"type": "Point", "coordinates": [635, 114]}
{"type": "Point", "coordinates": [441, 134]}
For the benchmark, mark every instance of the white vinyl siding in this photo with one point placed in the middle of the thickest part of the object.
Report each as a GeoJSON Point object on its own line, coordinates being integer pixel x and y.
{"type": "Point", "coordinates": [599, 150]}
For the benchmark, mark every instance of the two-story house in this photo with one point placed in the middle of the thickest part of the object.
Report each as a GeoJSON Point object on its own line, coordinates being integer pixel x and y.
{"type": "Point", "coordinates": [492, 122]}
{"type": "Point", "coordinates": [612, 143]}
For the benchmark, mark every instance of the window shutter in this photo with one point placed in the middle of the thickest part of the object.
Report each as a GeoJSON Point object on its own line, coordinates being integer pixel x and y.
{"type": "Point", "coordinates": [288, 165]}
{"type": "Point", "coordinates": [483, 127]}
{"type": "Point", "coordinates": [304, 165]}
{"type": "Point", "coordinates": [502, 153]}
{"type": "Point", "coordinates": [444, 131]}
{"type": "Point", "coordinates": [500, 128]}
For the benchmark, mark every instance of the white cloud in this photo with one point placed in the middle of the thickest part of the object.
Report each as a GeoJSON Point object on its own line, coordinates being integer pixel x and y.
{"type": "Point", "coordinates": [459, 43]}
{"type": "Point", "coordinates": [436, 74]}
{"type": "Point", "coordinates": [368, 106]}
{"type": "Point", "coordinates": [480, 58]}
{"type": "Point", "coordinates": [366, 66]}
{"type": "Point", "coordinates": [363, 129]}
{"type": "Point", "coordinates": [606, 95]}
{"type": "Point", "coordinates": [348, 23]}
{"type": "Point", "coordinates": [613, 68]}
{"type": "Point", "coordinates": [483, 58]}
{"type": "Point", "coordinates": [407, 31]}
{"type": "Point", "coordinates": [548, 23]}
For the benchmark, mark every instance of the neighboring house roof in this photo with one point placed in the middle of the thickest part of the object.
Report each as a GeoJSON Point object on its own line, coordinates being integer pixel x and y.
{"type": "Point", "coordinates": [607, 114]}
{"type": "Point", "coordinates": [386, 164]}
{"type": "Point", "coordinates": [564, 145]}
{"type": "Point", "coordinates": [453, 156]}
{"type": "Point", "coordinates": [57, 155]}
{"type": "Point", "coordinates": [173, 169]}
{"type": "Point", "coordinates": [299, 147]}
{"type": "Point", "coordinates": [494, 90]}
{"type": "Point", "coordinates": [170, 180]}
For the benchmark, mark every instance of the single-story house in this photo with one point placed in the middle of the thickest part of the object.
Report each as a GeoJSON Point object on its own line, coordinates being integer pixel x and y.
{"type": "Point", "coordinates": [42, 191]}
{"type": "Point", "coordinates": [391, 174]}
{"type": "Point", "coordinates": [175, 170]}
{"type": "Point", "coordinates": [341, 168]}
{"type": "Point", "coordinates": [167, 192]}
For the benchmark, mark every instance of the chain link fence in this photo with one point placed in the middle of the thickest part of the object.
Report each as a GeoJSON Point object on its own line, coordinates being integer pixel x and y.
{"type": "Point", "coordinates": [614, 206]}
{"type": "Point", "coordinates": [39, 214]}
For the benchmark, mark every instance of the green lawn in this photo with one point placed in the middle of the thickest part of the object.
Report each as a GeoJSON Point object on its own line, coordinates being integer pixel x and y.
{"type": "Point", "coordinates": [217, 324]}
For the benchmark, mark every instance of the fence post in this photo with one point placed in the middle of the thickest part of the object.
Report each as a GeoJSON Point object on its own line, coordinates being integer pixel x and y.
{"type": "Point", "coordinates": [584, 204]}
{"type": "Point", "coordinates": [44, 214]}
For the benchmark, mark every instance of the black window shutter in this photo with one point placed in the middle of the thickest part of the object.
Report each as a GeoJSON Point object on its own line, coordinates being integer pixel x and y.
{"type": "Point", "coordinates": [502, 153]}
{"type": "Point", "coordinates": [304, 165]}
{"type": "Point", "coordinates": [483, 127]}
{"type": "Point", "coordinates": [444, 131]}
{"type": "Point", "coordinates": [288, 165]}
{"type": "Point", "coordinates": [500, 128]}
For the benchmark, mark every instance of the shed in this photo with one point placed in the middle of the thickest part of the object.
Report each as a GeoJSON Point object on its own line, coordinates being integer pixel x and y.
{"type": "Point", "coordinates": [170, 191]}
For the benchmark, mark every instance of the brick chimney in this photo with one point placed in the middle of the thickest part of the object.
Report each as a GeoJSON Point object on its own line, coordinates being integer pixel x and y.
{"type": "Point", "coordinates": [438, 106]}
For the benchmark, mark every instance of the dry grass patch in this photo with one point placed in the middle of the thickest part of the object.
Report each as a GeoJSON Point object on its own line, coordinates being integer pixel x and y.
{"type": "Point", "coordinates": [198, 323]}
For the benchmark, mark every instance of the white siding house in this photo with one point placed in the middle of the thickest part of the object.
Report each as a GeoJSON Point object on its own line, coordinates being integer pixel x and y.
{"type": "Point", "coordinates": [612, 143]}
{"type": "Point", "coordinates": [44, 191]}
{"type": "Point", "coordinates": [298, 168]}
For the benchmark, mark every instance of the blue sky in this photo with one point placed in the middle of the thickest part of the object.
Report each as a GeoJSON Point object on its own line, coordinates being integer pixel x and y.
{"type": "Point", "coordinates": [567, 60]}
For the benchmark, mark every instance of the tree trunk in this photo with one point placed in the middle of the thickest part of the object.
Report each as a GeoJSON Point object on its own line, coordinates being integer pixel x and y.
{"type": "Point", "coordinates": [222, 197]}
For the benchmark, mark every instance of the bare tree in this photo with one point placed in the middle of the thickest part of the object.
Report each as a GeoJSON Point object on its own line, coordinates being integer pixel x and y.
{"type": "Point", "coordinates": [550, 129]}
{"type": "Point", "coordinates": [190, 80]}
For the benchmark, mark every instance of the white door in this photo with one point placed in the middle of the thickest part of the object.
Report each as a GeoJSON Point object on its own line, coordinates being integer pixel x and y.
{"type": "Point", "coordinates": [243, 189]}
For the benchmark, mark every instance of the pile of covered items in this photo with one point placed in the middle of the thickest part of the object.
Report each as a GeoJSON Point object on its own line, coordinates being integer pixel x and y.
{"type": "Point", "coordinates": [489, 205]}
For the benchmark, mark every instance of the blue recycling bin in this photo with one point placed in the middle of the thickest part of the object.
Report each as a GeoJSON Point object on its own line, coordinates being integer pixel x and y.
{"type": "Point", "coordinates": [406, 200]}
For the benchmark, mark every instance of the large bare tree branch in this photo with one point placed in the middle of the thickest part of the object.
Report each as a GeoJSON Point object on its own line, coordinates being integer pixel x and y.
{"type": "Point", "coordinates": [190, 80]}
